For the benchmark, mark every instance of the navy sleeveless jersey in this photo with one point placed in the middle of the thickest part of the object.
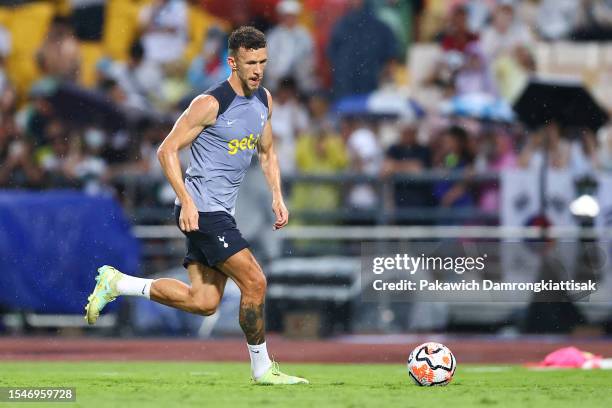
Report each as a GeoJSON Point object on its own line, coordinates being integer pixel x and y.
{"type": "Point", "coordinates": [221, 154]}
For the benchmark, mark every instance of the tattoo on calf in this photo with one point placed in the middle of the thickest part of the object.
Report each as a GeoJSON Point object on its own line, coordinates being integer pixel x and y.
{"type": "Point", "coordinates": [252, 322]}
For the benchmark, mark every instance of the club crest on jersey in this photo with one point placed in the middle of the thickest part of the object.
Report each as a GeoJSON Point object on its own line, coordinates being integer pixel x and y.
{"type": "Point", "coordinates": [250, 143]}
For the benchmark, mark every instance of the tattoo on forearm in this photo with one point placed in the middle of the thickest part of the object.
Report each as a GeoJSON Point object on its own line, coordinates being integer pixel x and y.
{"type": "Point", "coordinates": [252, 322]}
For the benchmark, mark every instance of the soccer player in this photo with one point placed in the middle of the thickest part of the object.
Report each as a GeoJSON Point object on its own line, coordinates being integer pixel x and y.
{"type": "Point", "coordinates": [224, 126]}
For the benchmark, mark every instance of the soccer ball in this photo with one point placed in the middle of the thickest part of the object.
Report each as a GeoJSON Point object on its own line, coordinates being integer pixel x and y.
{"type": "Point", "coordinates": [431, 364]}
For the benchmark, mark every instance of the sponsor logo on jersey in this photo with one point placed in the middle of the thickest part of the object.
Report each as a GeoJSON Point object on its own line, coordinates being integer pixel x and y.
{"type": "Point", "coordinates": [246, 143]}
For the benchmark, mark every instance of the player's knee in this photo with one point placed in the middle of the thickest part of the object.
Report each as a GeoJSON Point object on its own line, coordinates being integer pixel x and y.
{"type": "Point", "coordinates": [205, 306]}
{"type": "Point", "coordinates": [256, 285]}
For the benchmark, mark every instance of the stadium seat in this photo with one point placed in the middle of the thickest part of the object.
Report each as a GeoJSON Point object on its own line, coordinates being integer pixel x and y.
{"type": "Point", "coordinates": [199, 21]}
{"type": "Point", "coordinates": [28, 25]}
{"type": "Point", "coordinates": [575, 55]}
{"type": "Point", "coordinates": [602, 89]}
{"type": "Point", "coordinates": [120, 28]}
{"type": "Point", "coordinates": [5, 15]}
{"type": "Point", "coordinates": [576, 59]}
{"type": "Point", "coordinates": [605, 56]}
{"type": "Point", "coordinates": [63, 7]}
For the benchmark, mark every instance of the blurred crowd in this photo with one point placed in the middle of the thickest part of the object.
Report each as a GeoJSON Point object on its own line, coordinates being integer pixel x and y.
{"type": "Point", "coordinates": [86, 102]}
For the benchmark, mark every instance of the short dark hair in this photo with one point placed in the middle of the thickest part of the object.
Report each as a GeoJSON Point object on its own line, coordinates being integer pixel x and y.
{"type": "Point", "coordinates": [246, 37]}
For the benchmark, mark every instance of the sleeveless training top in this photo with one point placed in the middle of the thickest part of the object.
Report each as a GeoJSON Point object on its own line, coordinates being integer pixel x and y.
{"type": "Point", "coordinates": [221, 154]}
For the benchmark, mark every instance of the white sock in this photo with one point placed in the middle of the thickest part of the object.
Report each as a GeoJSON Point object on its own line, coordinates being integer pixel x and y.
{"type": "Point", "coordinates": [260, 362]}
{"type": "Point", "coordinates": [133, 286]}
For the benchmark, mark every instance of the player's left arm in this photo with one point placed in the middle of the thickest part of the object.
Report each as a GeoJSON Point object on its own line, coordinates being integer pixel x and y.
{"type": "Point", "coordinates": [269, 165]}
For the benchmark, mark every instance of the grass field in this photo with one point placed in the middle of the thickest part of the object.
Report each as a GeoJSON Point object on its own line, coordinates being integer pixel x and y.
{"type": "Point", "coordinates": [151, 384]}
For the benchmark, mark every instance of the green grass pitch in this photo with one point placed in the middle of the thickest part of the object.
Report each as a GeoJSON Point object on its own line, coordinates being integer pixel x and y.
{"type": "Point", "coordinates": [153, 384]}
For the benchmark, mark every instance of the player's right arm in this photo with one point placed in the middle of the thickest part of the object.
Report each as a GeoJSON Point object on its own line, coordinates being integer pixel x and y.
{"type": "Point", "coordinates": [201, 112]}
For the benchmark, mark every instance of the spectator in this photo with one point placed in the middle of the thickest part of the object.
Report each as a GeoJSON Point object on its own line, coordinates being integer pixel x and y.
{"type": "Point", "coordinates": [111, 75]}
{"type": "Point", "coordinates": [54, 152]}
{"type": "Point", "coordinates": [504, 34]}
{"type": "Point", "coordinates": [442, 76]}
{"type": "Point", "coordinates": [289, 120]}
{"type": "Point", "coordinates": [458, 35]}
{"type": "Point", "coordinates": [495, 154]}
{"type": "Point", "coordinates": [408, 157]}
{"type": "Point", "coordinates": [164, 25]}
{"type": "Point", "coordinates": [59, 55]}
{"type": "Point", "coordinates": [532, 155]}
{"type": "Point", "coordinates": [144, 157]}
{"type": "Point", "coordinates": [210, 67]}
{"type": "Point", "coordinates": [84, 163]}
{"type": "Point", "coordinates": [318, 152]}
{"type": "Point", "coordinates": [453, 155]}
{"type": "Point", "coordinates": [8, 102]}
{"type": "Point", "coordinates": [325, 14]}
{"type": "Point", "coordinates": [556, 19]}
{"type": "Point", "coordinates": [365, 157]}
{"type": "Point", "coordinates": [478, 12]}
{"type": "Point", "coordinates": [584, 159]}
{"type": "Point", "coordinates": [118, 148]}
{"type": "Point", "coordinates": [474, 76]}
{"type": "Point", "coordinates": [401, 17]}
{"type": "Point", "coordinates": [174, 87]}
{"type": "Point", "coordinates": [512, 72]}
{"type": "Point", "coordinates": [36, 117]}
{"type": "Point", "coordinates": [495, 151]}
{"type": "Point", "coordinates": [594, 21]}
{"type": "Point", "coordinates": [359, 49]}
{"type": "Point", "coordinates": [144, 75]}
{"type": "Point", "coordinates": [37, 149]}
{"type": "Point", "coordinates": [604, 153]}
{"type": "Point", "coordinates": [17, 169]}
{"type": "Point", "coordinates": [290, 49]}
{"type": "Point", "coordinates": [114, 91]}
{"type": "Point", "coordinates": [318, 108]}
{"type": "Point", "coordinates": [147, 163]}
{"type": "Point", "coordinates": [139, 79]}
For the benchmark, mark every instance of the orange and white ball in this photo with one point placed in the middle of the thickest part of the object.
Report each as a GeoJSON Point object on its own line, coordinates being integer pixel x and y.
{"type": "Point", "coordinates": [431, 364]}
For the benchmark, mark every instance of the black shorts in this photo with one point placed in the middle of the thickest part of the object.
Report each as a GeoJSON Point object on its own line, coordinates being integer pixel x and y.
{"type": "Point", "coordinates": [217, 239]}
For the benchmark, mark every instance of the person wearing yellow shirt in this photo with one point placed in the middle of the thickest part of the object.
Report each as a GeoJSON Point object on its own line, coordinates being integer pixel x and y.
{"type": "Point", "coordinates": [320, 152]}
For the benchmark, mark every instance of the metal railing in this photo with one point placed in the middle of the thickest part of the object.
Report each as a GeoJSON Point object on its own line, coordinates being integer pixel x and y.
{"type": "Point", "coordinates": [139, 206]}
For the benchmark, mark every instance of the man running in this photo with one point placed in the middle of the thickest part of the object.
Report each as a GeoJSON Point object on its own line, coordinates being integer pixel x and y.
{"type": "Point", "coordinates": [224, 126]}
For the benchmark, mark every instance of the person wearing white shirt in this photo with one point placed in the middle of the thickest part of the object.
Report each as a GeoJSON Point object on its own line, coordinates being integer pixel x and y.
{"type": "Point", "coordinates": [165, 30]}
{"type": "Point", "coordinates": [290, 50]}
{"type": "Point", "coordinates": [366, 156]}
{"type": "Point", "coordinates": [505, 34]}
